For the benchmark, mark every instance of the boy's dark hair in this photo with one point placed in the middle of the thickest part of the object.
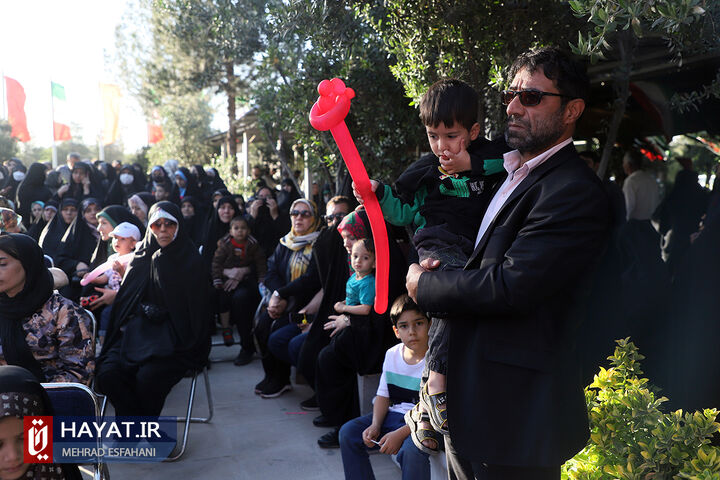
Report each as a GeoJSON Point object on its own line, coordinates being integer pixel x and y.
{"type": "Point", "coordinates": [569, 75]}
{"type": "Point", "coordinates": [448, 101]}
{"type": "Point", "coordinates": [368, 244]}
{"type": "Point", "coordinates": [401, 305]}
{"type": "Point", "coordinates": [239, 219]}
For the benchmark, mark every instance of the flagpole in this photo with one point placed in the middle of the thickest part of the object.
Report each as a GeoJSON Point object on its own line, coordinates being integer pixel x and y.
{"type": "Point", "coordinates": [52, 109]}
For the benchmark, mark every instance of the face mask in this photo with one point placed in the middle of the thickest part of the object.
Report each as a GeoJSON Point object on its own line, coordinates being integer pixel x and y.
{"type": "Point", "coordinates": [126, 179]}
{"type": "Point", "coordinates": [19, 176]}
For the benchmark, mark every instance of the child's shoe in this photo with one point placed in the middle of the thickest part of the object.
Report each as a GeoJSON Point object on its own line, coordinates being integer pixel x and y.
{"type": "Point", "coordinates": [227, 335]}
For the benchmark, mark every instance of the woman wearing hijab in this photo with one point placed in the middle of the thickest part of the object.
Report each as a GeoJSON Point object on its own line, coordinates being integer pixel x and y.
{"type": "Point", "coordinates": [41, 331]}
{"type": "Point", "coordinates": [55, 230]}
{"type": "Point", "coordinates": [125, 186]}
{"type": "Point", "coordinates": [219, 227]}
{"type": "Point", "coordinates": [204, 183]}
{"type": "Point", "coordinates": [266, 220]}
{"type": "Point", "coordinates": [5, 178]}
{"type": "Point", "coordinates": [25, 397]}
{"type": "Point", "coordinates": [158, 175]}
{"type": "Point", "coordinates": [289, 262]}
{"type": "Point", "coordinates": [77, 246]}
{"type": "Point", "coordinates": [17, 175]}
{"type": "Point", "coordinates": [38, 224]}
{"type": "Point", "coordinates": [288, 194]}
{"type": "Point", "coordinates": [82, 184]}
{"type": "Point", "coordinates": [194, 221]}
{"type": "Point", "coordinates": [184, 185]}
{"type": "Point", "coordinates": [31, 189]}
{"type": "Point", "coordinates": [159, 326]}
{"type": "Point", "coordinates": [140, 204]}
{"type": "Point", "coordinates": [217, 181]}
{"type": "Point", "coordinates": [108, 218]}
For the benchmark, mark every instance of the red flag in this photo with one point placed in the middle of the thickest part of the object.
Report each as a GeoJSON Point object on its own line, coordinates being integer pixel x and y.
{"type": "Point", "coordinates": [155, 131]}
{"type": "Point", "coordinates": [16, 110]}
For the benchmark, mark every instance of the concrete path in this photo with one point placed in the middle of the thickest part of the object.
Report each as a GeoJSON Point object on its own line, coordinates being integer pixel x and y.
{"type": "Point", "coordinates": [249, 437]}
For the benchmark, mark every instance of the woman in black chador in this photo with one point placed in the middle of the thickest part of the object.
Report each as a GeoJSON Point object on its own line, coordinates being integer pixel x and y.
{"type": "Point", "coordinates": [159, 326]}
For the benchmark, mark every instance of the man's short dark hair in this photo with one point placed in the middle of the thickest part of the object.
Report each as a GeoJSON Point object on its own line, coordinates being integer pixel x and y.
{"type": "Point", "coordinates": [401, 305]}
{"type": "Point", "coordinates": [448, 101]}
{"type": "Point", "coordinates": [341, 200]}
{"type": "Point", "coordinates": [569, 75]}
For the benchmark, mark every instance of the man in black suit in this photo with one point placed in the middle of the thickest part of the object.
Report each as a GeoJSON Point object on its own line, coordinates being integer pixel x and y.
{"type": "Point", "coordinates": [515, 403]}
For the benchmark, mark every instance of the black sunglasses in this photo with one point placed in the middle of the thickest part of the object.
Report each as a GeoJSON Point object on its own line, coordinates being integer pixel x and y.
{"type": "Point", "coordinates": [302, 213]}
{"type": "Point", "coordinates": [335, 216]}
{"type": "Point", "coordinates": [528, 98]}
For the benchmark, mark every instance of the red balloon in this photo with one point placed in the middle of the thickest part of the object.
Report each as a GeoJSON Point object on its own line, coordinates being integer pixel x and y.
{"type": "Point", "coordinates": [329, 113]}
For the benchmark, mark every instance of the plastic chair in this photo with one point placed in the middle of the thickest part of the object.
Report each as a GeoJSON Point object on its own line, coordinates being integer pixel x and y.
{"type": "Point", "coordinates": [188, 418]}
{"type": "Point", "coordinates": [76, 399]}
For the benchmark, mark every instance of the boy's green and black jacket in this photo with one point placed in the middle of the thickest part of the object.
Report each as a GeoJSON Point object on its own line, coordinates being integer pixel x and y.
{"type": "Point", "coordinates": [426, 197]}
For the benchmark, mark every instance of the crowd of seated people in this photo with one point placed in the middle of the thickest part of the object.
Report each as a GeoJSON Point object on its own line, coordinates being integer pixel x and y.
{"type": "Point", "coordinates": [174, 256]}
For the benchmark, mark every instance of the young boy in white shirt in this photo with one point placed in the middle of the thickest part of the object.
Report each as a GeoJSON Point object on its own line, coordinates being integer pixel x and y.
{"type": "Point", "coordinates": [385, 428]}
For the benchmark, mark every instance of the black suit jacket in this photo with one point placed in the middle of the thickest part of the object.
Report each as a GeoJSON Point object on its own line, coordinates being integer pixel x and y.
{"type": "Point", "coordinates": [514, 390]}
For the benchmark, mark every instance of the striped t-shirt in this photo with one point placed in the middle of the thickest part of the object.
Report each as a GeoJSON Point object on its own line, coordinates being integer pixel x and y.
{"type": "Point", "coordinates": [399, 381]}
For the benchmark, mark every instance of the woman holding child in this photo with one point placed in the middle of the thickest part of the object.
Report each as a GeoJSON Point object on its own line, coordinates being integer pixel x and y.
{"type": "Point", "coordinates": [159, 326]}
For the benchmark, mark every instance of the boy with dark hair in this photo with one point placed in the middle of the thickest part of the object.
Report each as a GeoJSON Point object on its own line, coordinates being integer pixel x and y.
{"type": "Point", "coordinates": [444, 196]}
{"type": "Point", "coordinates": [385, 429]}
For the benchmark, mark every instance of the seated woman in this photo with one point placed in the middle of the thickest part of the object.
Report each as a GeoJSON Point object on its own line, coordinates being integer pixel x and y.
{"type": "Point", "coordinates": [159, 325]}
{"type": "Point", "coordinates": [41, 331]}
{"type": "Point", "coordinates": [55, 229]}
{"type": "Point", "coordinates": [28, 398]}
{"type": "Point", "coordinates": [289, 261]}
{"type": "Point", "coordinates": [82, 184]}
{"type": "Point", "coordinates": [140, 204]}
{"type": "Point", "coordinates": [77, 245]}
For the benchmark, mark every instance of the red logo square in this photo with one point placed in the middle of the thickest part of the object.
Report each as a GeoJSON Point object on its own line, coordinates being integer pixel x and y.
{"type": "Point", "coordinates": [38, 439]}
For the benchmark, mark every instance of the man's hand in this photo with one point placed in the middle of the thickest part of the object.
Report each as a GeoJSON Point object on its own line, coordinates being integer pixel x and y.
{"type": "Point", "coordinates": [391, 442]}
{"type": "Point", "coordinates": [456, 162]}
{"type": "Point", "coordinates": [373, 186]}
{"type": "Point", "coordinates": [107, 297]}
{"type": "Point", "coordinates": [276, 307]}
{"type": "Point", "coordinates": [414, 272]}
{"type": "Point", "coordinates": [370, 433]}
{"type": "Point", "coordinates": [336, 323]}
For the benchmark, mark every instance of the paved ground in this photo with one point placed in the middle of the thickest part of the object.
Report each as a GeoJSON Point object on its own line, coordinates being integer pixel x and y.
{"type": "Point", "coordinates": [249, 437]}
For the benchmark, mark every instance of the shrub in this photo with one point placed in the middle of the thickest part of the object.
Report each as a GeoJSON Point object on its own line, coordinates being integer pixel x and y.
{"type": "Point", "coordinates": [631, 438]}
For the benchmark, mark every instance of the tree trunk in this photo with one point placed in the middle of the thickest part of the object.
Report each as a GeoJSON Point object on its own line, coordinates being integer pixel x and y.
{"type": "Point", "coordinates": [621, 84]}
{"type": "Point", "coordinates": [231, 137]}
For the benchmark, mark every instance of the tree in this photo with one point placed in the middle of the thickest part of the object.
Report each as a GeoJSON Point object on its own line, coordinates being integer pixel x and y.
{"type": "Point", "coordinates": [688, 26]}
{"type": "Point", "coordinates": [309, 41]}
{"type": "Point", "coordinates": [186, 128]}
{"type": "Point", "coordinates": [8, 144]}
{"type": "Point", "coordinates": [466, 39]}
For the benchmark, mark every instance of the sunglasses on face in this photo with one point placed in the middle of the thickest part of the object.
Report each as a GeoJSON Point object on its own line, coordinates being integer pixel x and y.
{"type": "Point", "coordinates": [528, 98]}
{"type": "Point", "coordinates": [302, 213]}
{"type": "Point", "coordinates": [162, 223]}
{"type": "Point", "coordinates": [335, 216]}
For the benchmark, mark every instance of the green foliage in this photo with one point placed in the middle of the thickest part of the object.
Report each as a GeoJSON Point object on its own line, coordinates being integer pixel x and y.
{"type": "Point", "coordinates": [186, 128]}
{"type": "Point", "coordinates": [632, 438]}
{"type": "Point", "coordinates": [465, 39]}
{"type": "Point", "coordinates": [310, 41]}
{"type": "Point", "coordinates": [235, 183]}
{"type": "Point", "coordinates": [8, 145]}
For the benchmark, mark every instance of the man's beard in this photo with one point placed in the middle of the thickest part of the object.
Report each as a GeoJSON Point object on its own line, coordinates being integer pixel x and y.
{"type": "Point", "coordinates": [538, 139]}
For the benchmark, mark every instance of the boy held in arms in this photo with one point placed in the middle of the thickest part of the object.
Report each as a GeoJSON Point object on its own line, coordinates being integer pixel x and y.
{"type": "Point", "coordinates": [385, 428]}
{"type": "Point", "coordinates": [360, 287]}
{"type": "Point", "coordinates": [444, 195]}
{"type": "Point", "coordinates": [237, 249]}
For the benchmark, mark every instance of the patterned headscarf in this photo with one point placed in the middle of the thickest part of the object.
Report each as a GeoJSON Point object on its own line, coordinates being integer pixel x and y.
{"type": "Point", "coordinates": [295, 242]}
{"type": "Point", "coordinates": [9, 220]}
{"type": "Point", "coordinates": [356, 224]}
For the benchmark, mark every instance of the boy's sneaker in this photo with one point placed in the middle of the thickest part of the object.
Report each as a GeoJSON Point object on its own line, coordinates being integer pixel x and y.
{"type": "Point", "coordinates": [262, 384]}
{"type": "Point", "coordinates": [273, 390]}
{"type": "Point", "coordinates": [310, 404]}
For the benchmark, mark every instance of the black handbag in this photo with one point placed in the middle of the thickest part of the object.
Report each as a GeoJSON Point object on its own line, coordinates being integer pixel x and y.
{"type": "Point", "coordinates": [148, 334]}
